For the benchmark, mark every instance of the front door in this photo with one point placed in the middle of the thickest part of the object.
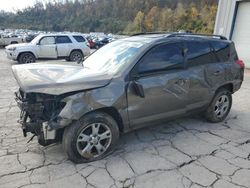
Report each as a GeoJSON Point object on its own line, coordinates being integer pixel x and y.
{"type": "Point", "coordinates": [47, 48]}
{"type": "Point", "coordinates": [159, 85]}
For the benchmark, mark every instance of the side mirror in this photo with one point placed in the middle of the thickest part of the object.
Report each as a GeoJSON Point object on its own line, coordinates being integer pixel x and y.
{"type": "Point", "coordinates": [138, 88]}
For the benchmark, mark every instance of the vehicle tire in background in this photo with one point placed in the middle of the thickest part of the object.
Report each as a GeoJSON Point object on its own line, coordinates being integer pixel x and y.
{"type": "Point", "coordinates": [76, 56]}
{"type": "Point", "coordinates": [220, 106]}
{"type": "Point", "coordinates": [13, 42]}
{"type": "Point", "coordinates": [90, 138]}
{"type": "Point", "coordinates": [25, 58]}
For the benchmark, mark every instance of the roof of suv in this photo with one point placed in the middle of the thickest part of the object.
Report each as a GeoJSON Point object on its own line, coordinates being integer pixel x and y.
{"type": "Point", "coordinates": [156, 37]}
{"type": "Point", "coordinates": [62, 34]}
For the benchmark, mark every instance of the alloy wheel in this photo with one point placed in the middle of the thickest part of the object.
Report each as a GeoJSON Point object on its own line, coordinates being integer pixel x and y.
{"type": "Point", "coordinates": [94, 140]}
{"type": "Point", "coordinates": [221, 106]}
{"type": "Point", "coordinates": [77, 57]}
{"type": "Point", "coordinates": [28, 59]}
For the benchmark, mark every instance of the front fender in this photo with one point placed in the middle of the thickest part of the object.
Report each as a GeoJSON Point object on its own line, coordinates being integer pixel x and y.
{"type": "Point", "coordinates": [76, 106]}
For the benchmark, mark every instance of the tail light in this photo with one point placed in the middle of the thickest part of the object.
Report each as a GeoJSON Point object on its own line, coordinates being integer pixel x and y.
{"type": "Point", "coordinates": [240, 63]}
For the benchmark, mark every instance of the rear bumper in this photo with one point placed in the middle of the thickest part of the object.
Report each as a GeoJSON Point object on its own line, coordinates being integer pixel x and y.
{"type": "Point", "coordinates": [237, 86]}
{"type": "Point", "coordinates": [240, 78]}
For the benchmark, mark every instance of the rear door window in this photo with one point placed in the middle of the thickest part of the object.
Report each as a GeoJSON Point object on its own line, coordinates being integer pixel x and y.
{"type": "Point", "coordinates": [161, 58]}
{"type": "Point", "coordinates": [222, 50]}
{"type": "Point", "coordinates": [199, 53]}
{"type": "Point", "coordinates": [79, 38]}
{"type": "Point", "coordinates": [63, 40]}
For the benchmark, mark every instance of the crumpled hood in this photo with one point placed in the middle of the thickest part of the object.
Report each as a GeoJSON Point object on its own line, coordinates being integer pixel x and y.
{"type": "Point", "coordinates": [57, 79]}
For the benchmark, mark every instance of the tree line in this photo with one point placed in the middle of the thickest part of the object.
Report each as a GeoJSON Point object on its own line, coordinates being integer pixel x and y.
{"type": "Point", "coordinates": [115, 16]}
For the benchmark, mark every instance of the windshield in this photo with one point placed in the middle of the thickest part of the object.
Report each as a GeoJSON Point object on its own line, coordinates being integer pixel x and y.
{"type": "Point", "coordinates": [36, 39]}
{"type": "Point", "coordinates": [112, 57]}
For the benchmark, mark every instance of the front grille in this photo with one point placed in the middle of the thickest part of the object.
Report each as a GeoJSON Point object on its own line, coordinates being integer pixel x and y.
{"type": "Point", "coordinates": [34, 109]}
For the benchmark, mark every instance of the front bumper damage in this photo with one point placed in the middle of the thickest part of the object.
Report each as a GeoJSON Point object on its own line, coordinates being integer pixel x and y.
{"type": "Point", "coordinates": [26, 111]}
{"type": "Point", "coordinates": [46, 115]}
{"type": "Point", "coordinates": [33, 118]}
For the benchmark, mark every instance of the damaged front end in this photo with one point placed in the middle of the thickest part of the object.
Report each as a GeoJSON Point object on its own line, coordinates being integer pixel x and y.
{"type": "Point", "coordinates": [37, 111]}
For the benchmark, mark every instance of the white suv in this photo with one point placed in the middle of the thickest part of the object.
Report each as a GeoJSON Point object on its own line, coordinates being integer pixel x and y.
{"type": "Point", "coordinates": [72, 47]}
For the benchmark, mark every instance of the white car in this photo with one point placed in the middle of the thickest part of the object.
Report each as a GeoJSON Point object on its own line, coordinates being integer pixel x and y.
{"type": "Point", "coordinates": [72, 47]}
{"type": "Point", "coordinates": [12, 39]}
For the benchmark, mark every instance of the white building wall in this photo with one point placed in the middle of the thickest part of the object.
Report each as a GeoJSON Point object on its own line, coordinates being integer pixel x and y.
{"type": "Point", "coordinates": [233, 22]}
{"type": "Point", "coordinates": [225, 17]}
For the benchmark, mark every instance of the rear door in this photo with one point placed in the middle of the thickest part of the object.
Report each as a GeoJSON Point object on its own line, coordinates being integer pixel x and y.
{"type": "Point", "coordinates": [64, 46]}
{"type": "Point", "coordinates": [47, 47]}
{"type": "Point", "coordinates": [159, 87]}
{"type": "Point", "coordinates": [218, 71]}
{"type": "Point", "coordinates": [202, 68]}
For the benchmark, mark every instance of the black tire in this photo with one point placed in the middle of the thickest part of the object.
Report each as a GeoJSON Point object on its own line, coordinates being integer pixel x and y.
{"type": "Point", "coordinates": [27, 57]}
{"type": "Point", "coordinates": [72, 134]}
{"type": "Point", "coordinates": [13, 42]}
{"type": "Point", "coordinates": [76, 56]}
{"type": "Point", "coordinates": [217, 111]}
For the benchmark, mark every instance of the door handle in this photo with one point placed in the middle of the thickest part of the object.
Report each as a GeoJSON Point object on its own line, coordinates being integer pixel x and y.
{"type": "Point", "coordinates": [216, 73]}
{"type": "Point", "coordinates": [181, 81]}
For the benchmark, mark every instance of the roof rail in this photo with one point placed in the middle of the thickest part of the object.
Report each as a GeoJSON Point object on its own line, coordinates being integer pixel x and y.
{"type": "Point", "coordinates": [149, 33]}
{"type": "Point", "coordinates": [197, 35]}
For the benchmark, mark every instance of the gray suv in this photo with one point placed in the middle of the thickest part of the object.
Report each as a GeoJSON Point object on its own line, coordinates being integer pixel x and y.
{"type": "Point", "coordinates": [130, 83]}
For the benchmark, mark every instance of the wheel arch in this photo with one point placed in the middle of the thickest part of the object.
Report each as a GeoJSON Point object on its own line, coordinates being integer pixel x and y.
{"type": "Point", "coordinates": [67, 117]}
{"type": "Point", "coordinates": [228, 86]}
{"type": "Point", "coordinates": [25, 52]}
{"type": "Point", "coordinates": [79, 50]}
{"type": "Point", "coordinates": [113, 112]}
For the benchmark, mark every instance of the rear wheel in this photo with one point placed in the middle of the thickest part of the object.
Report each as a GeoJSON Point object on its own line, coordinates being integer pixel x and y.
{"type": "Point", "coordinates": [76, 56]}
{"type": "Point", "coordinates": [91, 138]}
{"type": "Point", "coordinates": [25, 58]}
{"type": "Point", "coordinates": [219, 107]}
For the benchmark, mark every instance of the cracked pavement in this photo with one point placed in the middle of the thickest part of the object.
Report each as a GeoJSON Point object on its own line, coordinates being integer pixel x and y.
{"type": "Point", "coordinates": [185, 153]}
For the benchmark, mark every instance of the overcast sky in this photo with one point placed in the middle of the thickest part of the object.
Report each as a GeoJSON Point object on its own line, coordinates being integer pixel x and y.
{"type": "Point", "coordinates": [12, 5]}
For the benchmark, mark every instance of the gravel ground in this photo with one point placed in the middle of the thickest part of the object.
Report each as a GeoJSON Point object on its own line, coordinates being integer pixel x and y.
{"type": "Point", "coordinates": [183, 153]}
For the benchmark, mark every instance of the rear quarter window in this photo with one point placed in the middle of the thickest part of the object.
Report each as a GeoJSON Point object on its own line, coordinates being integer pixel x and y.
{"type": "Point", "coordinates": [79, 38]}
{"type": "Point", "coordinates": [222, 50]}
{"type": "Point", "coordinates": [199, 53]}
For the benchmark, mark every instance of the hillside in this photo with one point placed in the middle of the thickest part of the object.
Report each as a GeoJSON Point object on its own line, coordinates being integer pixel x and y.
{"type": "Point", "coordinates": [116, 16]}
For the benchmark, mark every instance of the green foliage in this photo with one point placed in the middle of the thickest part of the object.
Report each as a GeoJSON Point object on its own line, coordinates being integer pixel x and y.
{"type": "Point", "coordinates": [116, 16]}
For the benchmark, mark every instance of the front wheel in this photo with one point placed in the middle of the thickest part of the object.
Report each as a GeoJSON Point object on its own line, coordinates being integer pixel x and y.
{"type": "Point", "coordinates": [25, 58]}
{"type": "Point", "coordinates": [220, 106]}
{"type": "Point", "coordinates": [90, 138]}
